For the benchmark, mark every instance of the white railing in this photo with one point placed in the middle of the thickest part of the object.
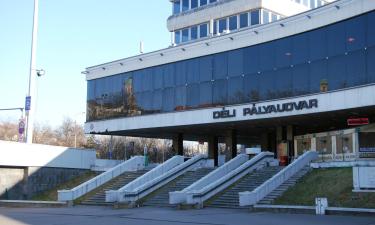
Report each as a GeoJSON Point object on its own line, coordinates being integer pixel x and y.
{"type": "Point", "coordinates": [251, 198]}
{"type": "Point", "coordinates": [145, 185]}
{"type": "Point", "coordinates": [133, 164]}
{"type": "Point", "coordinates": [220, 179]}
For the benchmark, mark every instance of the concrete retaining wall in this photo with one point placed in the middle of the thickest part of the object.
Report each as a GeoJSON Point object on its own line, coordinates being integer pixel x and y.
{"type": "Point", "coordinates": [22, 183]}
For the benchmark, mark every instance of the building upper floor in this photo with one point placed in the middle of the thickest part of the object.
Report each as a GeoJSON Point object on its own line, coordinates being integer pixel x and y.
{"type": "Point", "coordinates": [196, 19]}
{"type": "Point", "coordinates": [332, 56]}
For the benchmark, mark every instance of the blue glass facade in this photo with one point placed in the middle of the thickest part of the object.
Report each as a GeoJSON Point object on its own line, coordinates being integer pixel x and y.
{"type": "Point", "coordinates": [340, 55]}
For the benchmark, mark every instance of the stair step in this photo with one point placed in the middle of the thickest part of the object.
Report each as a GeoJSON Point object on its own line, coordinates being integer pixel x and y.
{"type": "Point", "coordinates": [161, 196]}
{"type": "Point", "coordinates": [229, 198]}
{"type": "Point", "coordinates": [98, 198]}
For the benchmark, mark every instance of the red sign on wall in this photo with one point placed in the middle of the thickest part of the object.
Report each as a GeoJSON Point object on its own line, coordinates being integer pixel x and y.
{"type": "Point", "coordinates": [358, 121]}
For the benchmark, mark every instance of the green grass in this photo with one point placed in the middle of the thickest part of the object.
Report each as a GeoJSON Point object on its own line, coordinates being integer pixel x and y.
{"type": "Point", "coordinates": [336, 184]}
{"type": "Point", "coordinates": [51, 195]}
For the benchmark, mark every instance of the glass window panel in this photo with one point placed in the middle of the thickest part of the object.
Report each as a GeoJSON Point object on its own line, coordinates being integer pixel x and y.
{"type": "Point", "coordinates": [267, 82]}
{"type": "Point", "coordinates": [266, 16]}
{"type": "Point", "coordinates": [168, 75]}
{"type": "Point", "coordinates": [185, 5]}
{"type": "Point", "coordinates": [176, 7]}
{"type": "Point", "coordinates": [235, 62]}
{"type": "Point", "coordinates": [337, 73]}
{"type": "Point", "coordinates": [324, 144]}
{"type": "Point", "coordinates": [203, 30]}
{"type": "Point", "coordinates": [255, 17]}
{"type": "Point", "coordinates": [212, 1]}
{"type": "Point", "coordinates": [371, 65]}
{"type": "Point", "coordinates": [194, 4]}
{"type": "Point", "coordinates": [312, 4]}
{"type": "Point", "coordinates": [233, 23]}
{"type": "Point", "coordinates": [203, 2]}
{"type": "Point", "coordinates": [284, 52]}
{"type": "Point", "coordinates": [157, 100]}
{"type": "Point", "coordinates": [251, 59]}
{"type": "Point", "coordinates": [205, 94]}
{"type": "Point", "coordinates": [300, 52]}
{"type": "Point", "coordinates": [273, 17]}
{"type": "Point", "coordinates": [177, 37]}
{"type": "Point", "coordinates": [192, 100]}
{"type": "Point", "coordinates": [301, 79]}
{"type": "Point", "coordinates": [168, 99]}
{"type": "Point", "coordinates": [267, 56]}
{"type": "Point", "coordinates": [129, 99]}
{"type": "Point", "coordinates": [356, 68]}
{"type": "Point", "coordinates": [355, 33]}
{"type": "Point", "coordinates": [180, 75]}
{"type": "Point", "coordinates": [251, 87]}
{"type": "Point", "coordinates": [180, 98]}
{"type": "Point", "coordinates": [205, 68]}
{"type": "Point", "coordinates": [318, 44]}
{"type": "Point", "coordinates": [222, 25]}
{"type": "Point", "coordinates": [220, 68]}
{"type": "Point", "coordinates": [194, 33]}
{"type": "Point", "coordinates": [185, 35]}
{"type": "Point", "coordinates": [284, 83]}
{"type": "Point", "coordinates": [139, 99]}
{"type": "Point", "coordinates": [192, 67]}
{"type": "Point", "coordinates": [370, 29]}
{"type": "Point", "coordinates": [147, 100]}
{"type": "Point", "coordinates": [138, 81]}
{"type": "Point", "coordinates": [336, 39]}
{"type": "Point", "coordinates": [147, 79]}
{"type": "Point", "coordinates": [236, 92]}
{"type": "Point", "coordinates": [318, 73]}
{"type": "Point", "coordinates": [157, 78]}
{"type": "Point", "coordinates": [219, 96]}
{"type": "Point", "coordinates": [244, 20]}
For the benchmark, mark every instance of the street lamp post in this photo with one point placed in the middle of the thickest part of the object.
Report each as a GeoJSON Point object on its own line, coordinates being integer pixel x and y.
{"type": "Point", "coordinates": [32, 78]}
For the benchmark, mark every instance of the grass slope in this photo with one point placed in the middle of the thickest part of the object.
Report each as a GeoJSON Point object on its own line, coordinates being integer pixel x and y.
{"type": "Point", "coordinates": [335, 183]}
{"type": "Point", "coordinates": [51, 195]}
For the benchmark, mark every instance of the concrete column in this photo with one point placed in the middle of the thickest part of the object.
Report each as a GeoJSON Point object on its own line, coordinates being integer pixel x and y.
{"type": "Point", "coordinates": [213, 149]}
{"type": "Point", "coordinates": [231, 143]}
{"type": "Point", "coordinates": [178, 144]}
{"type": "Point", "coordinates": [290, 139]}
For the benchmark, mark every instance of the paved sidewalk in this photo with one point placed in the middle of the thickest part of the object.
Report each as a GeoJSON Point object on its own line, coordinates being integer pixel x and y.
{"type": "Point", "coordinates": [164, 216]}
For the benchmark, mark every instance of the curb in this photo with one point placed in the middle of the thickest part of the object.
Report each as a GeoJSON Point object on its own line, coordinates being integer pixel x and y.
{"type": "Point", "coordinates": [32, 204]}
{"type": "Point", "coordinates": [293, 209]}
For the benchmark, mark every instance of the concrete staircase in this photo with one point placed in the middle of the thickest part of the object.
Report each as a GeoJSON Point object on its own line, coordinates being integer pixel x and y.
{"type": "Point", "coordinates": [229, 198]}
{"type": "Point", "coordinates": [97, 196]}
{"type": "Point", "coordinates": [160, 197]}
{"type": "Point", "coordinates": [269, 199]}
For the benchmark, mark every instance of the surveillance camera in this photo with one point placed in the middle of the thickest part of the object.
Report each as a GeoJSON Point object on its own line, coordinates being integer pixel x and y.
{"type": "Point", "coordinates": [40, 72]}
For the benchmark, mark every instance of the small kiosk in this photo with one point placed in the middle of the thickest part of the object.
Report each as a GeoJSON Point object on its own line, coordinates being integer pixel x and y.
{"type": "Point", "coordinates": [341, 145]}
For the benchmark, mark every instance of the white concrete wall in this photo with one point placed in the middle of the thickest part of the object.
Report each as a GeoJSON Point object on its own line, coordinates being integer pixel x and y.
{"type": "Point", "coordinates": [105, 164]}
{"type": "Point", "coordinates": [363, 178]}
{"type": "Point", "coordinates": [33, 155]}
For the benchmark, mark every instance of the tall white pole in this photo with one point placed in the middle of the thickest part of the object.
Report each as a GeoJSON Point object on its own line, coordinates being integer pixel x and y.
{"type": "Point", "coordinates": [32, 77]}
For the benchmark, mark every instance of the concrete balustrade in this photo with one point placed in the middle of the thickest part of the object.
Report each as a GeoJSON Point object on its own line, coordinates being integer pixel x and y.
{"type": "Point", "coordinates": [220, 179]}
{"type": "Point", "coordinates": [133, 164]}
{"type": "Point", "coordinates": [155, 179]}
{"type": "Point", "coordinates": [252, 198]}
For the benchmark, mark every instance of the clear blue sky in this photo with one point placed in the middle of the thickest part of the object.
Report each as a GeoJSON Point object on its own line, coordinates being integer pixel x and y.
{"type": "Point", "coordinates": [73, 34]}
